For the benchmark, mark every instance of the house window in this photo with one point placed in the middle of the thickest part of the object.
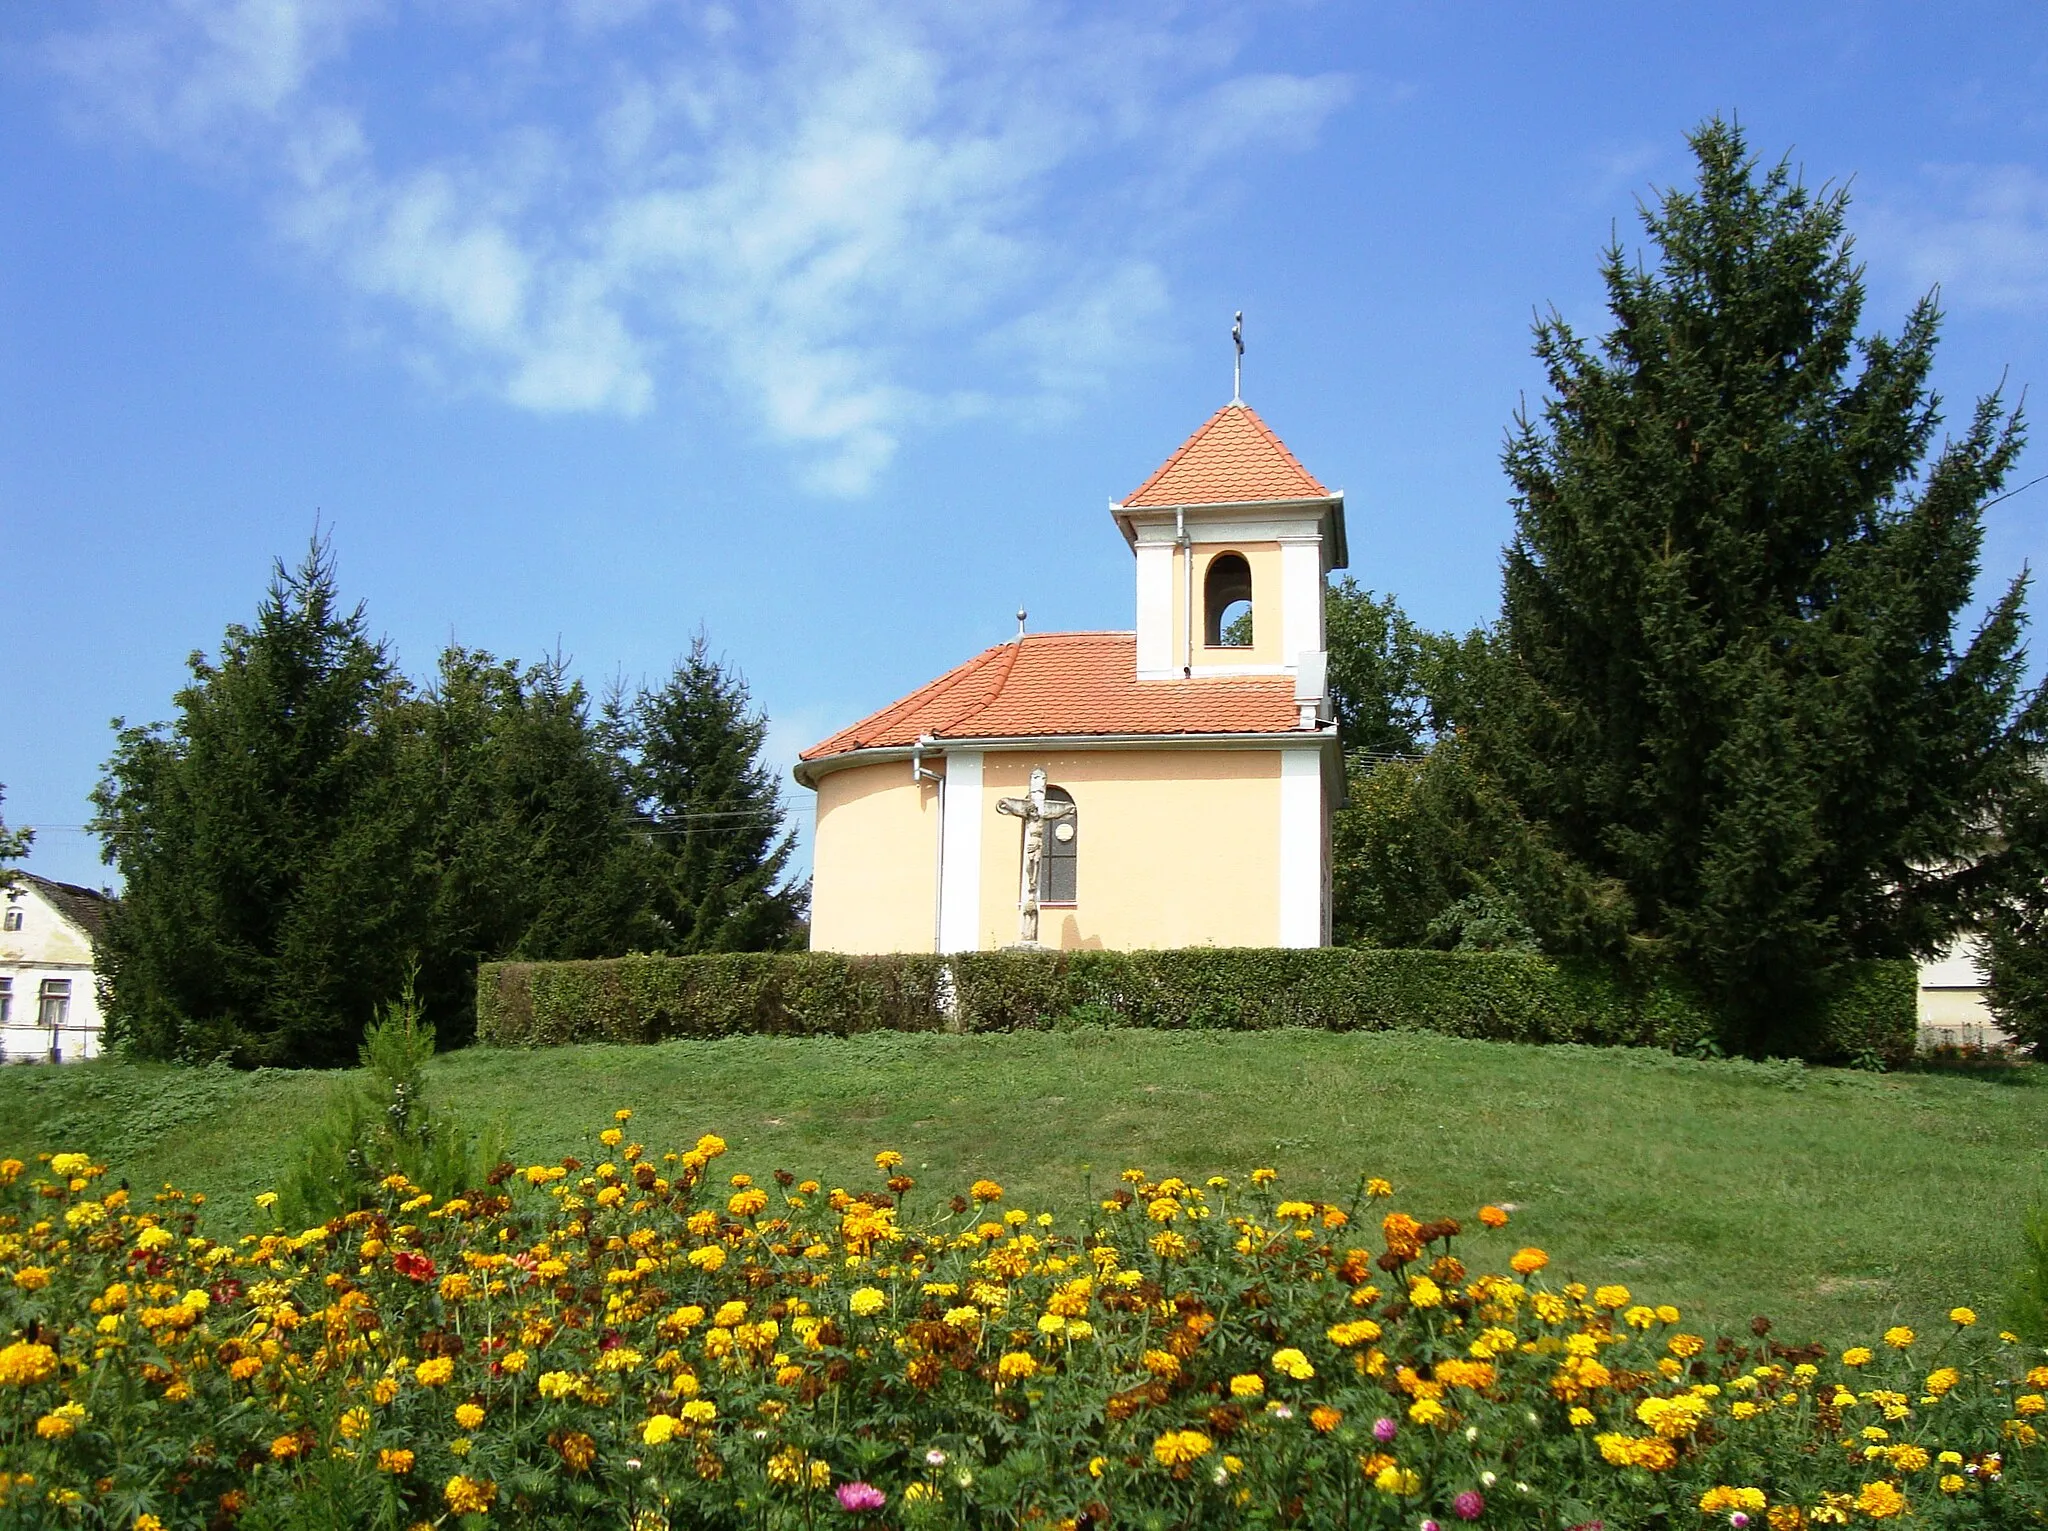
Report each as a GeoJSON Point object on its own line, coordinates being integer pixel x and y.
{"type": "Point", "coordinates": [1057, 880]}
{"type": "Point", "coordinates": [1227, 592]}
{"type": "Point", "coordinates": [6, 1000]}
{"type": "Point", "coordinates": [56, 1002]}
{"type": "Point", "coordinates": [13, 919]}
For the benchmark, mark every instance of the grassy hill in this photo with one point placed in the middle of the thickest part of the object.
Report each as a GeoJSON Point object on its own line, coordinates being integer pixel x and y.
{"type": "Point", "coordinates": [1829, 1200]}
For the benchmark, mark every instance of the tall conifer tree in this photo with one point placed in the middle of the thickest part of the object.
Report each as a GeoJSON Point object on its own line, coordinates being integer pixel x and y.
{"type": "Point", "coordinates": [712, 810]}
{"type": "Point", "coordinates": [1734, 681]}
{"type": "Point", "coordinates": [266, 841]}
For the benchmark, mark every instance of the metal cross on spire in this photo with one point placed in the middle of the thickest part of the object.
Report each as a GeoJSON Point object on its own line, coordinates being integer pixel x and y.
{"type": "Point", "coordinates": [1237, 367]}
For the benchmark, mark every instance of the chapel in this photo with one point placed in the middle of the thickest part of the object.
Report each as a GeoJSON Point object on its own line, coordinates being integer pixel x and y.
{"type": "Point", "coordinates": [1168, 786]}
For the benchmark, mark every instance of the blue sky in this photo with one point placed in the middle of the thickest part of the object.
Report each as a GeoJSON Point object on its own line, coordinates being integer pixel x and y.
{"type": "Point", "coordinates": [834, 327]}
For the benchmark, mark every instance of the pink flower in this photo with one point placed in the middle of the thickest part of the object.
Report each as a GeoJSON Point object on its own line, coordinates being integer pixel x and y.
{"type": "Point", "coordinates": [1384, 1429]}
{"type": "Point", "coordinates": [1469, 1505]}
{"type": "Point", "coordinates": [859, 1498]}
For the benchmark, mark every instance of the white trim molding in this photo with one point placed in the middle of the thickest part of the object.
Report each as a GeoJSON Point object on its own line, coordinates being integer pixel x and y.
{"type": "Point", "coordinates": [1301, 847]}
{"type": "Point", "coordinates": [1155, 609]}
{"type": "Point", "coordinates": [960, 854]}
{"type": "Point", "coordinates": [1301, 595]}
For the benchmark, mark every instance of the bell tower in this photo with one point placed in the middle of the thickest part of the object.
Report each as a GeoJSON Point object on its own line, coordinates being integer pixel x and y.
{"type": "Point", "coordinates": [1234, 541]}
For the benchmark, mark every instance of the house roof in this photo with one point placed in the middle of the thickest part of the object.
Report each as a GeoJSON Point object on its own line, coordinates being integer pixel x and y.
{"type": "Point", "coordinates": [1232, 459]}
{"type": "Point", "coordinates": [1050, 685]}
{"type": "Point", "coordinates": [84, 907]}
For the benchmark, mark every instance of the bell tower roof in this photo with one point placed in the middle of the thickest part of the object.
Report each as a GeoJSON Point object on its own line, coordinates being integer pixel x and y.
{"type": "Point", "coordinates": [1233, 459]}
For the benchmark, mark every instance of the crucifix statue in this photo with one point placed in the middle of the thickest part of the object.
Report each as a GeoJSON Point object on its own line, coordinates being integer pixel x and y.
{"type": "Point", "coordinates": [1034, 810]}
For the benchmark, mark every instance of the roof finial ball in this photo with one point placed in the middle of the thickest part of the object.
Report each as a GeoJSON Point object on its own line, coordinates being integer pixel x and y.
{"type": "Point", "coordinates": [1237, 367]}
{"type": "Point", "coordinates": [1020, 621]}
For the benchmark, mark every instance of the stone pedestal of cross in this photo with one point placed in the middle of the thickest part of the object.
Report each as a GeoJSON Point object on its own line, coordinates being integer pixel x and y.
{"type": "Point", "coordinates": [1034, 810]}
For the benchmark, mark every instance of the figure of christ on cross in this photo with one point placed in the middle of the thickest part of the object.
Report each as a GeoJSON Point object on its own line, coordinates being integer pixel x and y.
{"type": "Point", "coordinates": [1034, 810]}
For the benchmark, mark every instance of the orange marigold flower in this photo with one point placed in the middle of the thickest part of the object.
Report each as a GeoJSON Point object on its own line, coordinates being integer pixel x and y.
{"type": "Point", "coordinates": [1881, 1500]}
{"type": "Point", "coordinates": [1527, 1262]}
{"type": "Point", "coordinates": [1325, 1418]}
{"type": "Point", "coordinates": [1493, 1217]}
{"type": "Point", "coordinates": [470, 1496]}
{"type": "Point", "coordinates": [985, 1190]}
{"type": "Point", "coordinates": [394, 1460]}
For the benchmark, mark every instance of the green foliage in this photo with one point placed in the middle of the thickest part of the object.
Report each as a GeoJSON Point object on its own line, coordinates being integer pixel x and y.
{"type": "Point", "coordinates": [1730, 678]}
{"type": "Point", "coordinates": [310, 825]}
{"type": "Point", "coordinates": [2016, 933]}
{"type": "Point", "coordinates": [712, 809]}
{"type": "Point", "coordinates": [1504, 995]}
{"type": "Point", "coordinates": [2026, 1303]}
{"type": "Point", "coordinates": [382, 1125]}
{"type": "Point", "coordinates": [266, 842]}
{"type": "Point", "coordinates": [14, 844]}
{"type": "Point", "coordinates": [530, 838]}
{"type": "Point", "coordinates": [1395, 685]}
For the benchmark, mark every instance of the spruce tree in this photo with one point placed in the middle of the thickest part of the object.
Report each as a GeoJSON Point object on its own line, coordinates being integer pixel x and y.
{"type": "Point", "coordinates": [711, 810]}
{"type": "Point", "coordinates": [1733, 681]}
{"type": "Point", "coordinates": [266, 842]}
{"type": "Point", "coordinates": [531, 839]}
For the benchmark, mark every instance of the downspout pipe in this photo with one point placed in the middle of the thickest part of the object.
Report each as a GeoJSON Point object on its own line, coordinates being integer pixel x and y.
{"type": "Point", "coordinates": [1187, 555]}
{"type": "Point", "coordinates": [920, 775]}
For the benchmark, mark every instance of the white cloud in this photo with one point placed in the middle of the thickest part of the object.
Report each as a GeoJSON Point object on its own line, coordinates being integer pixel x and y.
{"type": "Point", "coordinates": [1980, 232]}
{"type": "Point", "coordinates": [852, 219]}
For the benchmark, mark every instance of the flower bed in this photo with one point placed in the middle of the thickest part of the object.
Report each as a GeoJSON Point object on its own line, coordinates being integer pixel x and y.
{"type": "Point", "coordinates": [652, 1342]}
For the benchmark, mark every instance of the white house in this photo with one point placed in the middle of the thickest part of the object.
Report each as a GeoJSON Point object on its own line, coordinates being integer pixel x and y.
{"type": "Point", "coordinates": [49, 1004]}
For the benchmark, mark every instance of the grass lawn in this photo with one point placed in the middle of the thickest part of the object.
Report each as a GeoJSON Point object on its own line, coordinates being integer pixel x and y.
{"type": "Point", "coordinates": [1830, 1200]}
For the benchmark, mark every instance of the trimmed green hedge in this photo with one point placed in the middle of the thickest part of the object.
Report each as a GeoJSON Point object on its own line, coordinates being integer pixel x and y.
{"type": "Point", "coordinates": [1503, 996]}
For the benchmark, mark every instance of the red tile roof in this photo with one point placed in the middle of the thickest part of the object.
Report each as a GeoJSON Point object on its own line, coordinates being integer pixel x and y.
{"type": "Point", "coordinates": [1047, 685]}
{"type": "Point", "coordinates": [1234, 457]}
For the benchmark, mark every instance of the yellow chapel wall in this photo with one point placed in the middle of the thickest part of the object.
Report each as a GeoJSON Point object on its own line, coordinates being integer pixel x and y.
{"type": "Point", "coordinates": [1263, 558]}
{"type": "Point", "coordinates": [1177, 847]}
{"type": "Point", "coordinates": [874, 861]}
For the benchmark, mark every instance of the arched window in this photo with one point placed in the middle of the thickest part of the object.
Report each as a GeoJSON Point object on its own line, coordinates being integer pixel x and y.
{"type": "Point", "coordinates": [1227, 593]}
{"type": "Point", "coordinates": [1057, 882]}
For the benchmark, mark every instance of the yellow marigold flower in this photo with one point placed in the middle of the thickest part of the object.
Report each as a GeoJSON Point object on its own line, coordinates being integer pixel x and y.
{"type": "Point", "coordinates": [1527, 1262]}
{"type": "Point", "coordinates": [611, 1137]}
{"type": "Point", "coordinates": [1426, 1411]}
{"type": "Point", "coordinates": [1674, 1418]}
{"type": "Point", "coordinates": [395, 1460]}
{"type": "Point", "coordinates": [710, 1259]}
{"type": "Point", "coordinates": [1017, 1366]}
{"type": "Point", "coordinates": [1424, 1293]}
{"type": "Point", "coordinates": [1639, 1317]}
{"type": "Point", "coordinates": [1580, 1417]}
{"type": "Point", "coordinates": [469, 1415]}
{"type": "Point", "coordinates": [2029, 1404]}
{"type": "Point", "coordinates": [1613, 1297]}
{"type": "Point", "coordinates": [154, 1239]}
{"type": "Point", "coordinates": [1666, 1314]}
{"type": "Point", "coordinates": [69, 1164]}
{"type": "Point", "coordinates": [1963, 1316]}
{"type": "Point", "coordinates": [147, 1522]}
{"type": "Point", "coordinates": [711, 1145]}
{"type": "Point", "coordinates": [1856, 1355]}
{"type": "Point", "coordinates": [1361, 1331]}
{"type": "Point", "coordinates": [32, 1278]}
{"type": "Point", "coordinates": [1952, 1483]}
{"type": "Point", "coordinates": [1292, 1363]}
{"type": "Point", "coordinates": [700, 1411]}
{"type": "Point", "coordinates": [60, 1421]}
{"type": "Point", "coordinates": [354, 1423]}
{"type": "Point", "coordinates": [1942, 1379]}
{"type": "Point", "coordinates": [867, 1301]}
{"type": "Point", "coordinates": [434, 1373]}
{"type": "Point", "coordinates": [1295, 1211]}
{"type": "Point", "coordinates": [748, 1202]}
{"type": "Point", "coordinates": [1161, 1363]}
{"type": "Point", "coordinates": [1898, 1337]}
{"type": "Point", "coordinates": [1907, 1457]}
{"type": "Point", "coordinates": [1685, 1346]}
{"type": "Point", "coordinates": [1881, 1500]}
{"type": "Point", "coordinates": [660, 1429]}
{"type": "Point", "coordinates": [728, 1314]}
{"type": "Point", "coordinates": [1247, 1385]}
{"type": "Point", "coordinates": [1397, 1480]}
{"type": "Point", "coordinates": [985, 1190]}
{"type": "Point", "coordinates": [470, 1496]}
{"type": "Point", "coordinates": [23, 1363]}
{"type": "Point", "coordinates": [1177, 1448]}
{"type": "Point", "coordinates": [1378, 1189]}
{"type": "Point", "coordinates": [1721, 1498]}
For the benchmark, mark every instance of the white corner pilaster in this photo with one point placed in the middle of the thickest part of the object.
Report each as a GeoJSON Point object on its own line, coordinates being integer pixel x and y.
{"type": "Point", "coordinates": [1301, 596]}
{"type": "Point", "coordinates": [960, 854]}
{"type": "Point", "coordinates": [1155, 609]}
{"type": "Point", "coordinates": [1301, 847]}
